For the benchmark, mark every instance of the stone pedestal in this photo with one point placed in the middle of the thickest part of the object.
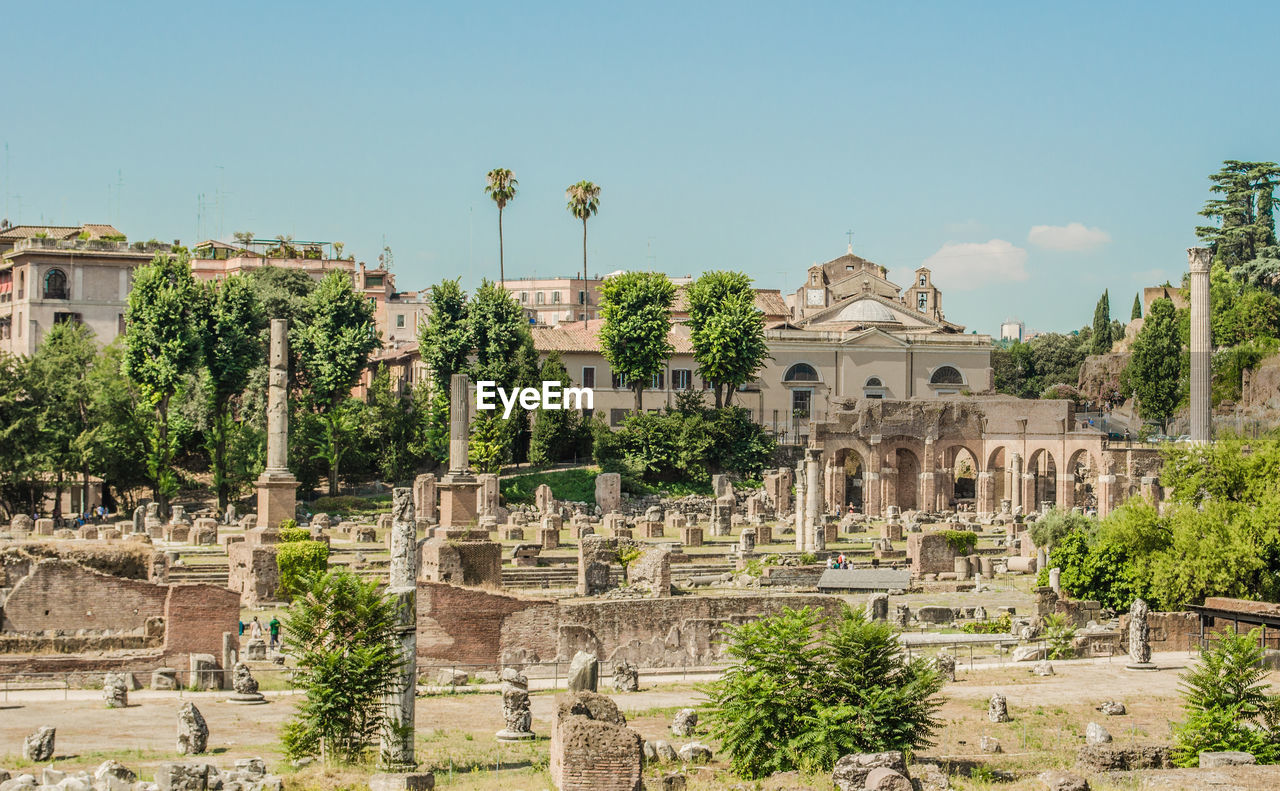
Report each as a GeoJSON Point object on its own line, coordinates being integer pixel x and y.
{"type": "Point", "coordinates": [458, 500]}
{"type": "Point", "coordinates": [764, 534]}
{"type": "Point", "coordinates": [549, 537]}
{"type": "Point", "coordinates": [691, 536]}
{"type": "Point", "coordinates": [831, 532]}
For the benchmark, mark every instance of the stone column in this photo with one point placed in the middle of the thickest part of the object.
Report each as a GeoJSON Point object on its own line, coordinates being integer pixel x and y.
{"type": "Point", "coordinates": [397, 741]}
{"type": "Point", "coordinates": [1066, 491]}
{"type": "Point", "coordinates": [424, 497]}
{"type": "Point", "coordinates": [985, 493]}
{"type": "Point", "coordinates": [814, 520]}
{"type": "Point", "coordinates": [1199, 259]}
{"type": "Point", "coordinates": [872, 494]}
{"type": "Point", "coordinates": [459, 424]}
{"type": "Point", "coordinates": [802, 500]}
{"type": "Point", "coordinates": [277, 488]}
{"type": "Point", "coordinates": [1015, 470]}
{"type": "Point", "coordinates": [1106, 489]}
{"type": "Point", "coordinates": [927, 491]}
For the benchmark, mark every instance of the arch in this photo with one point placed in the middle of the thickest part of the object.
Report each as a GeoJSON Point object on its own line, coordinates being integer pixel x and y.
{"type": "Point", "coordinates": [853, 467]}
{"type": "Point", "coordinates": [1041, 482]}
{"type": "Point", "coordinates": [961, 479]}
{"type": "Point", "coordinates": [55, 284]}
{"type": "Point", "coordinates": [801, 372]}
{"type": "Point", "coordinates": [946, 375]}
{"type": "Point", "coordinates": [874, 381]}
{"type": "Point", "coordinates": [1083, 470]}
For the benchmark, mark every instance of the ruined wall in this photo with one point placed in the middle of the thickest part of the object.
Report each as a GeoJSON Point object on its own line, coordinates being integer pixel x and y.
{"type": "Point", "coordinates": [118, 559]}
{"type": "Point", "coordinates": [470, 626]}
{"type": "Point", "coordinates": [195, 617]}
{"type": "Point", "coordinates": [61, 595]}
{"type": "Point", "coordinates": [930, 553]}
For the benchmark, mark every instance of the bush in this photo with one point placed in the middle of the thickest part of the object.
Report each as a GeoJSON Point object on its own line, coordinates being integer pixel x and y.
{"type": "Point", "coordinates": [289, 534]}
{"type": "Point", "coordinates": [347, 504]}
{"type": "Point", "coordinates": [1060, 633]}
{"type": "Point", "coordinates": [343, 637]}
{"type": "Point", "coordinates": [298, 560]}
{"type": "Point", "coordinates": [1228, 705]}
{"type": "Point", "coordinates": [961, 541]}
{"type": "Point", "coordinates": [578, 486]}
{"type": "Point", "coordinates": [805, 690]}
{"type": "Point", "coordinates": [684, 446]}
{"type": "Point", "coordinates": [1001, 625]}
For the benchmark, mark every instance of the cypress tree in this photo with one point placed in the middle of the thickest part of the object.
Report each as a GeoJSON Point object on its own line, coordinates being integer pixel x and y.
{"type": "Point", "coordinates": [1137, 307]}
{"type": "Point", "coordinates": [1102, 325]}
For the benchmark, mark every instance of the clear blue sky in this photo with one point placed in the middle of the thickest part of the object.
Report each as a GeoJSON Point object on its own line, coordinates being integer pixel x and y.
{"type": "Point", "coordinates": [723, 135]}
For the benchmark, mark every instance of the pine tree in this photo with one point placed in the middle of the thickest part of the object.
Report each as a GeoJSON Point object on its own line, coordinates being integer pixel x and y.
{"type": "Point", "coordinates": [1102, 325]}
{"type": "Point", "coordinates": [1137, 307]}
{"type": "Point", "coordinates": [1155, 366]}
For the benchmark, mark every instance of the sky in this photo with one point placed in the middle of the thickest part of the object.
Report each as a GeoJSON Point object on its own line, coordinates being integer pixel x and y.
{"type": "Point", "coordinates": [1030, 154]}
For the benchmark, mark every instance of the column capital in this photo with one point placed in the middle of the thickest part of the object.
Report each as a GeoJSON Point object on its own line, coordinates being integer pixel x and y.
{"type": "Point", "coordinates": [1199, 259]}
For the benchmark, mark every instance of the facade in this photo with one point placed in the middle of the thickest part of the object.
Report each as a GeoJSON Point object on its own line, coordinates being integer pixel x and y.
{"type": "Point", "coordinates": [1012, 330]}
{"type": "Point", "coordinates": [54, 274]}
{"type": "Point", "coordinates": [556, 300]}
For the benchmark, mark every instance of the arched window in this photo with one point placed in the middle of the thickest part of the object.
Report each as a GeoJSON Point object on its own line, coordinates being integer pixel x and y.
{"type": "Point", "coordinates": [800, 372]}
{"type": "Point", "coordinates": [874, 382]}
{"type": "Point", "coordinates": [55, 285]}
{"type": "Point", "coordinates": [946, 375]}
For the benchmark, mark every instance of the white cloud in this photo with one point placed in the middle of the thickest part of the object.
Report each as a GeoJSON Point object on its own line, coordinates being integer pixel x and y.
{"type": "Point", "coordinates": [1073, 236]}
{"type": "Point", "coordinates": [964, 266]}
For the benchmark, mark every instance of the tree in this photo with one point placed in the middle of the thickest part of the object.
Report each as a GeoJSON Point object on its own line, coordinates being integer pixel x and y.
{"type": "Point", "coordinates": [553, 429]}
{"type": "Point", "coordinates": [388, 428]}
{"type": "Point", "coordinates": [804, 690]}
{"type": "Point", "coordinates": [496, 329]}
{"type": "Point", "coordinates": [243, 237]}
{"type": "Point", "coordinates": [445, 338]}
{"type": "Point", "coordinates": [636, 307]}
{"type": "Point", "coordinates": [1229, 703]}
{"type": "Point", "coordinates": [333, 344]}
{"type": "Point", "coordinates": [282, 292]}
{"type": "Point", "coordinates": [58, 378]}
{"type": "Point", "coordinates": [488, 446]}
{"type": "Point", "coordinates": [1155, 367]}
{"type": "Point", "coordinates": [121, 423]}
{"type": "Point", "coordinates": [162, 345]}
{"type": "Point", "coordinates": [342, 635]}
{"type": "Point", "coordinates": [1102, 325]}
{"type": "Point", "coordinates": [17, 436]}
{"type": "Point", "coordinates": [501, 187]}
{"type": "Point", "coordinates": [727, 332]}
{"type": "Point", "coordinates": [1246, 220]}
{"type": "Point", "coordinates": [1136, 313]}
{"type": "Point", "coordinates": [232, 345]}
{"type": "Point", "coordinates": [584, 201]}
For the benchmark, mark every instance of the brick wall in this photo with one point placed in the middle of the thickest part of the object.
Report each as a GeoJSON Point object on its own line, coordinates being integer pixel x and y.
{"type": "Point", "coordinates": [65, 596]}
{"type": "Point", "coordinates": [592, 749]}
{"type": "Point", "coordinates": [930, 553]}
{"type": "Point", "coordinates": [470, 626]}
{"type": "Point", "coordinates": [253, 572]}
{"type": "Point", "coordinates": [195, 616]}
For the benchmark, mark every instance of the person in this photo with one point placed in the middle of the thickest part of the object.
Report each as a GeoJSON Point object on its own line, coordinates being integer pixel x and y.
{"type": "Point", "coordinates": [242, 627]}
{"type": "Point", "coordinates": [274, 628]}
{"type": "Point", "coordinates": [844, 564]}
{"type": "Point", "coordinates": [255, 629]}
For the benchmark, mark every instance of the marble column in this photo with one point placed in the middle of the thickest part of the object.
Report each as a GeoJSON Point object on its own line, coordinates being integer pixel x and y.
{"type": "Point", "coordinates": [802, 502]}
{"type": "Point", "coordinates": [459, 424]}
{"type": "Point", "coordinates": [397, 739]}
{"type": "Point", "coordinates": [277, 487]}
{"type": "Point", "coordinates": [459, 490]}
{"type": "Point", "coordinates": [1199, 259]}
{"type": "Point", "coordinates": [815, 521]}
{"type": "Point", "coordinates": [872, 485]}
{"type": "Point", "coordinates": [1015, 471]}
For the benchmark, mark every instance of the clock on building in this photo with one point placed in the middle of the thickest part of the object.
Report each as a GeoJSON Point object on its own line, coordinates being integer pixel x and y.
{"type": "Point", "coordinates": [814, 297]}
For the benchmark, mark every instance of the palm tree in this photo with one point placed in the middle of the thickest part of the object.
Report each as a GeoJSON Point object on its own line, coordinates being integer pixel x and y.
{"type": "Point", "coordinates": [584, 201]}
{"type": "Point", "coordinates": [502, 188]}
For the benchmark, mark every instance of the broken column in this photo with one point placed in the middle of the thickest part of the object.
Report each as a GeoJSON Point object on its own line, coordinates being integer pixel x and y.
{"type": "Point", "coordinates": [397, 739]}
{"type": "Point", "coordinates": [1199, 260]}
{"type": "Point", "coordinates": [1139, 638]}
{"type": "Point", "coordinates": [458, 490]}
{"type": "Point", "coordinates": [424, 498]}
{"type": "Point", "coordinates": [592, 749]}
{"type": "Point", "coordinates": [277, 487]}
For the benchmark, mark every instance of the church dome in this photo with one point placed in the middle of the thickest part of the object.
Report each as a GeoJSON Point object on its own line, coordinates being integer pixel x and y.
{"type": "Point", "coordinates": [867, 310]}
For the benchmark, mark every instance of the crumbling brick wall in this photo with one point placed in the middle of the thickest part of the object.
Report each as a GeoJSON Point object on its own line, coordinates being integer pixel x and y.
{"type": "Point", "coordinates": [461, 562]}
{"type": "Point", "coordinates": [596, 554]}
{"type": "Point", "coordinates": [930, 553]}
{"type": "Point", "coordinates": [469, 626]}
{"type": "Point", "coordinates": [592, 749]}
{"type": "Point", "coordinates": [652, 570]}
{"type": "Point", "coordinates": [65, 596]}
{"type": "Point", "coordinates": [253, 573]}
{"type": "Point", "coordinates": [195, 617]}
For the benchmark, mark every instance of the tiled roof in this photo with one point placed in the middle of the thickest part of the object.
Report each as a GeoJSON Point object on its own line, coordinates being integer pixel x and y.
{"type": "Point", "coordinates": [95, 230]}
{"type": "Point", "coordinates": [769, 301]}
{"type": "Point", "coordinates": [574, 337]}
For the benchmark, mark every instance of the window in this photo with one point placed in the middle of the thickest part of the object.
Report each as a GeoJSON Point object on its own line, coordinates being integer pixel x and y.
{"type": "Point", "coordinates": [539, 298]}
{"type": "Point", "coordinates": [946, 375]}
{"type": "Point", "coordinates": [55, 285]}
{"type": "Point", "coordinates": [66, 318]}
{"type": "Point", "coordinates": [801, 403]}
{"type": "Point", "coordinates": [874, 382]}
{"type": "Point", "coordinates": [849, 268]}
{"type": "Point", "coordinates": [874, 388]}
{"type": "Point", "coordinates": [922, 301]}
{"type": "Point", "coordinates": [400, 320]}
{"type": "Point", "coordinates": [555, 297]}
{"type": "Point", "coordinates": [588, 376]}
{"type": "Point", "coordinates": [524, 297]}
{"type": "Point", "coordinates": [373, 281]}
{"type": "Point", "coordinates": [658, 380]}
{"type": "Point", "coordinates": [618, 384]}
{"type": "Point", "coordinates": [681, 378]}
{"type": "Point", "coordinates": [6, 327]}
{"type": "Point", "coordinates": [801, 372]}
{"type": "Point", "coordinates": [924, 280]}
{"type": "Point", "coordinates": [582, 297]}
{"type": "Point", "coordinates": [616, 416]}
{"type": "Point", "coordinates": [582, 317]}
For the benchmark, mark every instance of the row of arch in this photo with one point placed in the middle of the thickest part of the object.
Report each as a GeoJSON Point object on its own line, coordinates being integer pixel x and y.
{"type": "Point", "coordinates": [801, 373]}
{"type": "Point", "coordinates": [959, 478]}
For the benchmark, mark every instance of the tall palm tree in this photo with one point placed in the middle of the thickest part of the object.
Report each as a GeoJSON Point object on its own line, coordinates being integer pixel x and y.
{"type": "Point", "coordinates": [502, 188]}
{"type": "Point", "coordinates": [584, 201]}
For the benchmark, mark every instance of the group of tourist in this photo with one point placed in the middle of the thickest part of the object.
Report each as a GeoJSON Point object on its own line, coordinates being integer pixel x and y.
{"type": "Point", "coordinates": [255, 630]}
{"type": "Point", "coordinates": [838, 562]}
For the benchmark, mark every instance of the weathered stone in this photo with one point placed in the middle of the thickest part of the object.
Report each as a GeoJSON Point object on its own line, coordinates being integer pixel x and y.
{"type": "Point", "coordinates": [878, 607]}
{"type": "Point", "coordinates": [851, 771]}
{"type": "Point", "coordinates": [1116, 758]}
{"type": "Point", "coordinates": [204, 671]}
{"type": "Point", "coordinates": [626, 677]}
{"type": "Point", "coordinates": [609, 491]}
{"type": "Point", "coordinates": [946, 665]}
{"type": "Point", "coordinates": [515, 707]}
{"type": "Point", "coordinates": [164, 678]}
{"type": "Point", "coordinates": [936, 615]}
{"type": "Point", "coordinates": [1028, 653]}
{"type": "Point", "coordinates": [182, 776]}
{"type": "Point", "coordinates": [110, 774]}
{"type": "Point", "coordinates": [584, 673]}
{"type": "Point", "coordinates": [115, 690]}
{"type": "Point", "coordinates": [256, 650]}
{"type": "Point", "coordinates": [592, 749]}
{"type": "Point", "coordinates": [885, 779]}
{"type": "Point", "coordinates": [695, 753]}
{"type": "Point", "coordinates": [38, 747]}
{"type": "Point", "coordinates": [1042, 668]}
{"type": "Point", "coordinates": [998, 708]}
{"type": "Point", "coordinates": [684, 723]}
{"type": "Point", "coordinates": [453, 678]}
{"type": "Point", "coordinates": [1213, 760]}
{"type": "Point", "coordinates": [23, 782]}
{"type": "Point", "coordinates": [245, 686]}
{"type": "Point", "coordinates": [672, 782]}
{"type": "Point", "coordinates": [1139, 637]}
{"type": "Point", "coordinates": [1096, 734]}
{"type": "Point", "coordinates": [402, 781]}
{"type": "Point", "coordinates": [666, 753]}
{"type": "Point", "coordinates": [1111, 708]}
{"type": "Point", "coordinates": [1058, 780]}
{"type": "Point", "coordinates": [193, 731]}
{"type": "Point", "coordinates": [990, 745]}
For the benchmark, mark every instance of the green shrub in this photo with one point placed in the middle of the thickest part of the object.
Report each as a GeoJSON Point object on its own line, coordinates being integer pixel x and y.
{"type": "Point", "coordinates": [961, 541]}
{"type": "Point", "coordinates": [684, 446]}
{"type": "Point", "coordinates": [293, 533]}
{"type": "Point", "coordinates": [578, 486]}
{"type": "Point", "coordinates": [346, 504]}
{"type": "Point", "coordinates": [1001, 625]}
{"type": "Point", "coordinates": [804, 690]}
{"type": "Point", "coordinates": [1228, 703]}
{"type": "Point", "coordinates": [298, 560]}
{"type": "Point", "coordinates": [1059, 632]}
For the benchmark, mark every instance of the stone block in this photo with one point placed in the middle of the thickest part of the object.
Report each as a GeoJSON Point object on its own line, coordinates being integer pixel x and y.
{"type": "Point", "coordinates": [609, 491]}
{"type": "Point", "coordinates": [691, 536]}
{"type": "Point", "coordinates": [402, 781]}
{"type": "Point", "coordinates": [1215, 760]}
{"type": "Point", "coordinates": [592, 749]}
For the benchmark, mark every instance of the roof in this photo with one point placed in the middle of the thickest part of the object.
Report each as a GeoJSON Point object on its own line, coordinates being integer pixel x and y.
{"type": "Point", "coordinates": [95, 230]}
{"type": "Point", "coordinates": [574, 337]}
{"type": "Point", "coordinates": [768, 301]}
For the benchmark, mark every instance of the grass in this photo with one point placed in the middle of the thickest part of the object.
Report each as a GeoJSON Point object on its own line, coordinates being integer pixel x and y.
{"type": "Point", "coordinates": [577, 485]}
{"type": "Point", "coordinates": [349, 505]}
